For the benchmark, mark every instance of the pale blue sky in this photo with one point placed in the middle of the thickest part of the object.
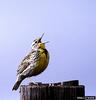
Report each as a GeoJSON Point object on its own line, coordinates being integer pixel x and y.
{"type": "Point", "coordinates": [69, 25]}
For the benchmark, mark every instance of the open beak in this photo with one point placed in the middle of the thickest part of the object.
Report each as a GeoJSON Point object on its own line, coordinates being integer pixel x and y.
{"type": "Point", "coordinates": [41, 36]}
{"type": "Point", "coordinates": [46, 42]}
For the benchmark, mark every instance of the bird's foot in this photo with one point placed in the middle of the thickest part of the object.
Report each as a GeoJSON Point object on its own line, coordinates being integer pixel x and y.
{"type": "Point", "coordinates": [35, 83]}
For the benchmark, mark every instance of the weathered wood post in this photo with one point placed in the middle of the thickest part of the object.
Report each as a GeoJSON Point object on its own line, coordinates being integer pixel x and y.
{"type": "Point", "coordinates": [69, 90]}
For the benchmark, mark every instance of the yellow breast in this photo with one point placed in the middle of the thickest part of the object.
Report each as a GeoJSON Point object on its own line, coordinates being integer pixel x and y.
{"type": "Point", "coordinates": [42, 63]}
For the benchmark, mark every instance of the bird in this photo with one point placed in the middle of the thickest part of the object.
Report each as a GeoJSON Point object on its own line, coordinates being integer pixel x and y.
{"type": "Point", "coordinates": [34, 63]}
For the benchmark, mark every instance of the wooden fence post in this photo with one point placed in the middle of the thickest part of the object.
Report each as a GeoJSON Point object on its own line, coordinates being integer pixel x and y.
{"type": "Point", "coordinates": [69, 90]}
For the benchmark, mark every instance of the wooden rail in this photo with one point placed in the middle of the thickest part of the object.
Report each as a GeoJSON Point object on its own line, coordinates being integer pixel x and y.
{"type": "Point", "coordinates": [69, 90]}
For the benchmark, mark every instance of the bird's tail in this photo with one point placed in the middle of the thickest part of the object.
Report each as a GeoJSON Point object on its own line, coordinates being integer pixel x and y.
{"type": "Point", "coordinates": [18, 82]}
{"type": "Point", "coordinates": [16, 85]}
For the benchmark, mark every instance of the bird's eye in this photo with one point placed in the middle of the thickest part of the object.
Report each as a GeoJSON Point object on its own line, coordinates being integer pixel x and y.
{"type": "Point", "coordinates": [35, 41]}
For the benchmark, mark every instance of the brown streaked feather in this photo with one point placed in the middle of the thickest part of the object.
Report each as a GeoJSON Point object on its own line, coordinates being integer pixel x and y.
{"type": "Point", "coordinates": [22, 67]}
{"type": "Point", "coordinates": [25, 63]}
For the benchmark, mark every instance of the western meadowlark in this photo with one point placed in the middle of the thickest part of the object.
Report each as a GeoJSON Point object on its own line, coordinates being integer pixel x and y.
{"type": "Point", "coordinates": [34, 63]}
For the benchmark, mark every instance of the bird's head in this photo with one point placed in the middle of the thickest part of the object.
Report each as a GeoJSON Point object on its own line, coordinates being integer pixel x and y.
{"type": "Point", "coordinates": [37, 43]}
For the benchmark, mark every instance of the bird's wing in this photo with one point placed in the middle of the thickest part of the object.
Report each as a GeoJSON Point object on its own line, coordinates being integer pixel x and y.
{"type": "Point", "coordinates": [29, 59]}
